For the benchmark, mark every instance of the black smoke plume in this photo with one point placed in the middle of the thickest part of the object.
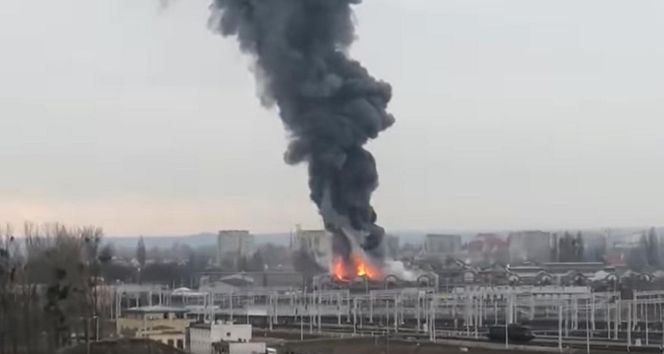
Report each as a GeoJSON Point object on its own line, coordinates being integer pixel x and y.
{"type": "Point", "coordinates": [329, 103]}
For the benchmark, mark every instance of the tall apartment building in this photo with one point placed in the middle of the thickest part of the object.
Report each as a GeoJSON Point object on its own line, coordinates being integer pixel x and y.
{"type": "Point", "coordinates": [441, 245]}
{"type": "Point", "coordinates": [534, 246]}
{"type": "Point", "coordinates": [392, 246]}
{"type": "Point", "coordinates": [315, 243]}
{"type": "Point", "coordinates": [232, 245]}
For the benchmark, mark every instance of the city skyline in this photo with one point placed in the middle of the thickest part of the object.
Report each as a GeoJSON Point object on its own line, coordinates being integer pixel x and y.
{"type": "Point", "coordinates": [142, 121]}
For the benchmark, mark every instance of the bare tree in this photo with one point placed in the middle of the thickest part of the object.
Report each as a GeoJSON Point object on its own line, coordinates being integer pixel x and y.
{"type": "Point", "coordinates": [49, 286]}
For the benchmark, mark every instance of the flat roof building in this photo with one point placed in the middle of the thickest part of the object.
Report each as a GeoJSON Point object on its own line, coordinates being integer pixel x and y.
{"type": "Point", "coordinates": [160, 323]}
{"type": "Point", "coordinates": [222, 337]}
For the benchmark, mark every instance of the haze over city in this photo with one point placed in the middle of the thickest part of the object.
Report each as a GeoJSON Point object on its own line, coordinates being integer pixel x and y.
{"type": "Point", "coordinates": [510, 114]}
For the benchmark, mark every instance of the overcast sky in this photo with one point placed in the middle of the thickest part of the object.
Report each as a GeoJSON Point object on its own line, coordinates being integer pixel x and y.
{"type": "Point", "coordinates": [511, 114]}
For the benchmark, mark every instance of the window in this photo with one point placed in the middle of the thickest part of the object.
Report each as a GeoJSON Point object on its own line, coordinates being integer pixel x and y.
{"type": "Point", "coordinates": [180, 344]}
{"type": "Point", "coordinates": [170, 343]}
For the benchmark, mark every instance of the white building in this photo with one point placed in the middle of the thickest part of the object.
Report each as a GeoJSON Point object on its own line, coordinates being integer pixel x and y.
{"type": "Point", "coordinates": [213, 338]}
{"type": "Point", "coordinates": [233, 245]}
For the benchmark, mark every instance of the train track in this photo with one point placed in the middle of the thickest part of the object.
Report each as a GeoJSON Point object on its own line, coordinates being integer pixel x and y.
{"type": "Point", "coordinates": [449, 334]}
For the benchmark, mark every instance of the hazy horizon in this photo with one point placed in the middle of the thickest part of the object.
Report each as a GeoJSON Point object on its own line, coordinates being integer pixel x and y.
{"type": "Point", "coordinates": [510, 115]}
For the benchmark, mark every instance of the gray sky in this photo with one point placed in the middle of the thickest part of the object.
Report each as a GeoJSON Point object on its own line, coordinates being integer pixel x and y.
{"type": "Point", "coordinates": [511, 114]}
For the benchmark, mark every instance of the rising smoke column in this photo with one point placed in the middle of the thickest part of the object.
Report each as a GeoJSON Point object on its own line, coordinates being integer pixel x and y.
{"type": "Point", "coordinates": [329, 103]}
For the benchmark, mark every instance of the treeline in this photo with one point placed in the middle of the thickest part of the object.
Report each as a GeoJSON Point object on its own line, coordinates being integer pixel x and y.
{"type": "Point", "coordinates": [177, 266]}
{"type": "Point", "coordinates": [49, 293]}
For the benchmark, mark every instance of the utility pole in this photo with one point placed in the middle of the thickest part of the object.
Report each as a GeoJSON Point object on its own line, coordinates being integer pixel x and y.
{"type": "Point", "coordinates": [318, 311]}
{"type": "Point", "coordinates": [301, 321]}
{"type": "Point", "coordinates": [354, 316]}
{"type": "Point", "coordinates": [310, 312]}
{"type": "Point", "coordinates": [508, 314]}
{"type": "Point", "coordinates": [629, 325]}
{"type": "Point", "coordinates": [645, 305]}
{"type": "Point", "coordinates": [587, 329]}
{"type": "Point", "coordinates": [434, 302]}
{"type": "Point", "coordinates": [560, 326]}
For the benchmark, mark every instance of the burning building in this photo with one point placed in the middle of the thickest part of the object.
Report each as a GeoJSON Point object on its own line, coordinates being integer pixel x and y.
{"type": "Point", "coordinates": [362, 276]}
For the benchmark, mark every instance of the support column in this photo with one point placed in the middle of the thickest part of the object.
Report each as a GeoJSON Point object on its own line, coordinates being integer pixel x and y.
{"type": "Point", "coordinates": [560, 326]}
{"type": "Point", "coordinates": [230, 302]}
{"type": "Point", "coordinates": [318, 311]}
{"type": "Point", "coordinates": [339, 306]}
{"type": "Point", "coordinates": [645, 315]}
{"type": "Point", "coordinates": [354, 316]}
{"type": "Point", "coordinates": [592, 312]}
{"type": "Point", "coordinates": [575, 314]}
{"type": "Point", "coordinates": [310, 312]}
{"type": "Point", "coordinates": [269, 311]}
{"type": "Point", "coordinates": [396, 314]}
{"type": "Point", "coordinates": [468, 318]}
{"type": "Point", "coordinates": [618, 319]}
{"type": "Point", "coordinates": [347, 295]}
{"type": "Point", "coordinates": [629, 325]}
{"type": "Point", "coordinates": [608, 319]}
{"type": "Point", "coordinates": [434, 302]}
{"type": "Point", "coordinates": [495, 312]}
{"type": "Point", "coordinates": [371, 308]}
{"type": "Point", "coordinates": [417, 310]}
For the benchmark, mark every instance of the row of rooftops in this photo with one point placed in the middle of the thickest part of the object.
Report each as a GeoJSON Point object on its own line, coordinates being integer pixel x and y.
{"type": "Point", "coordinates": [156, 309]}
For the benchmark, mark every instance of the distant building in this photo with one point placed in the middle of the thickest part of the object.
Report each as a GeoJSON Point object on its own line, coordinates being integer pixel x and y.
{"type": "Point", "coordinates": [534, 246]}
{"type": "Point", "coordinates": [487, 248]}
{"type": "Point", "coordinates": [441, 245]}
{"type": "Point", "coordinates": [232, 245]}
{"type": "Point", "coordinates": [392, 246]}
{"type": "Point", "coordinates": [159, 323]}
{"type": "Point", "coordinates": [315, 243]}
{"type": "Point", "coordinates": [227, 338]}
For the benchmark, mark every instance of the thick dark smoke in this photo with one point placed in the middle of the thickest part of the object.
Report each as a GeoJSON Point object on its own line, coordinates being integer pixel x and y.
{"type": "Point", "coordinates": [329, 103]}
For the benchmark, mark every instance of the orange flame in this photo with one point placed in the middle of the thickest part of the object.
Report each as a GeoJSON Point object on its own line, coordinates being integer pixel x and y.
{"type": "Point", "coordinates": [360, 267]}
{"type": "Point", "coordinates": [363, 268]}
{"type": "Point", "coordinates": [339, 269]}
